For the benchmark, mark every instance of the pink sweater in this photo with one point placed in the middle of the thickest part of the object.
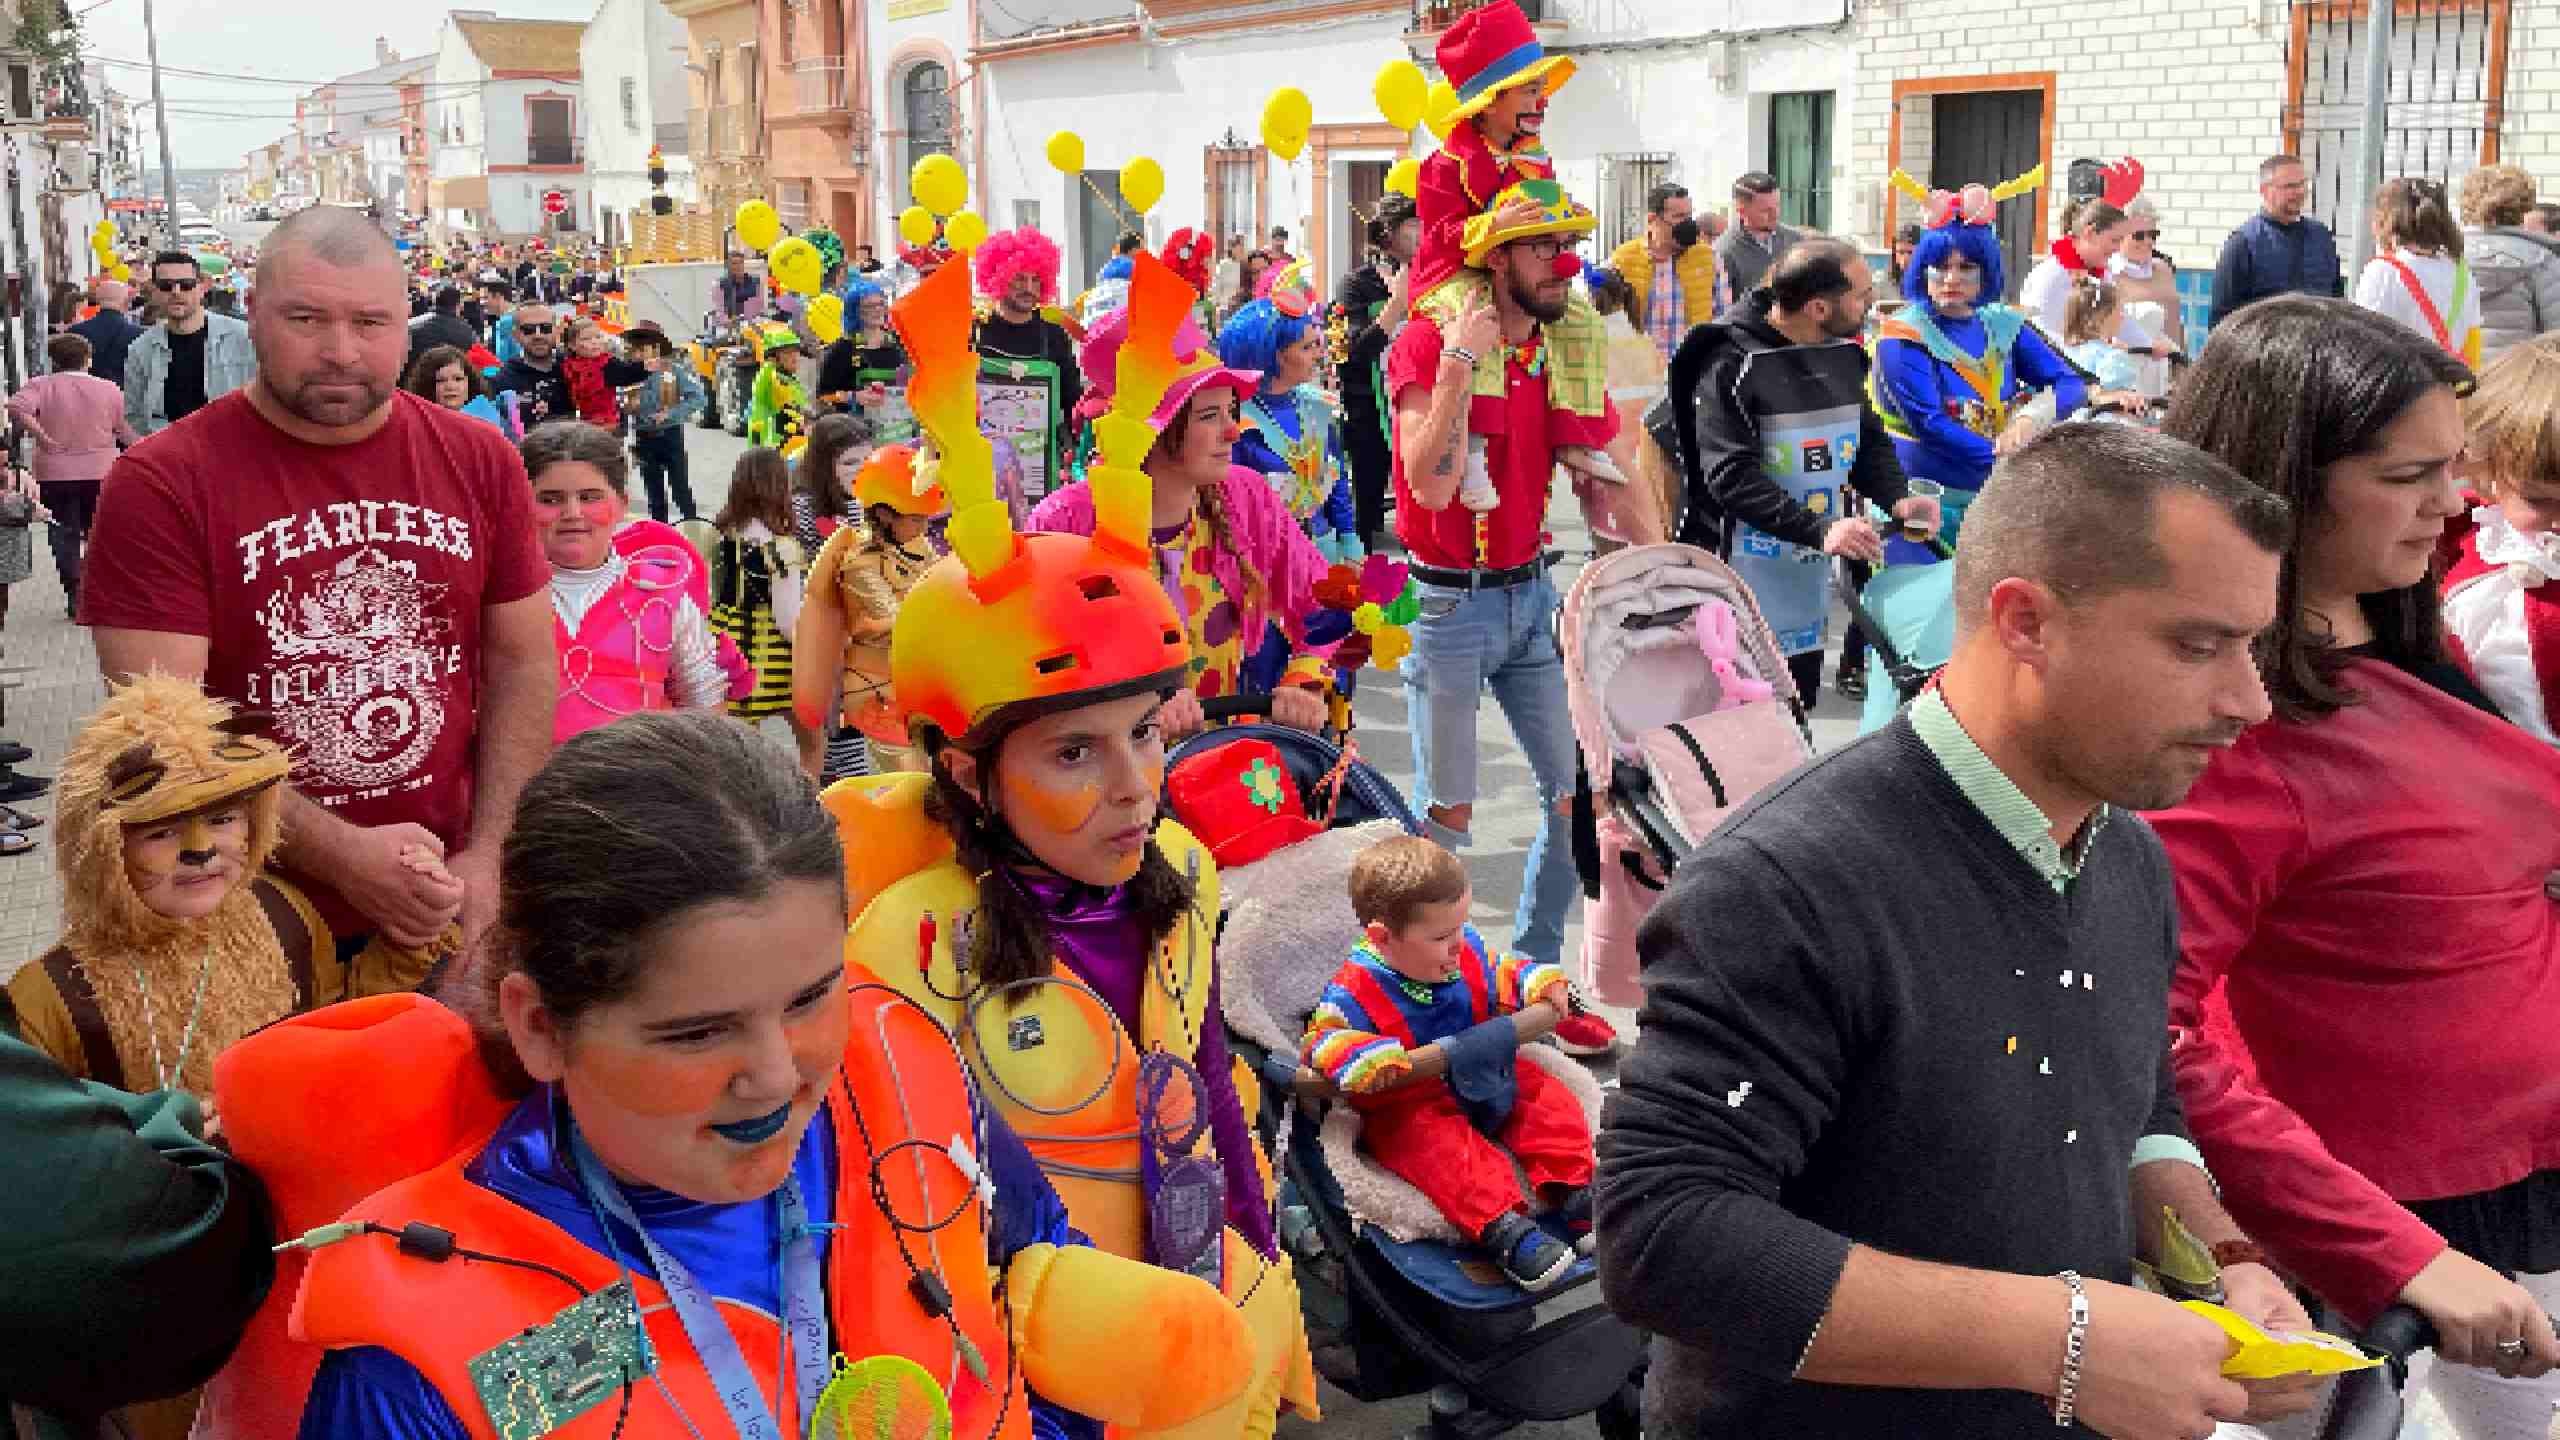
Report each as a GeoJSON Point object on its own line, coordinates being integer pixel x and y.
{"type": "Point", "coordinates": [76, 419]}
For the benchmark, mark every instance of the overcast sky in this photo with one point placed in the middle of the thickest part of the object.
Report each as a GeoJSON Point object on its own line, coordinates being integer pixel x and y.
{"type": "Point", "coordinates": [252, 44]}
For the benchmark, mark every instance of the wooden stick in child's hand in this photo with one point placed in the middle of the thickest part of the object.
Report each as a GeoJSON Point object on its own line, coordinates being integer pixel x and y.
{"type": "Point", "coordinates": [1529, 1024]}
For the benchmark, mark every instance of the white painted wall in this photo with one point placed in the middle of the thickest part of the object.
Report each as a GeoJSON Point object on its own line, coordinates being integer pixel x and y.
{"type": "Point", "coordinates": [457, 122]}
{"type": "Point", "coordinates": [883, 78]}
{"type": "Point", "coordinates": [638, 42]}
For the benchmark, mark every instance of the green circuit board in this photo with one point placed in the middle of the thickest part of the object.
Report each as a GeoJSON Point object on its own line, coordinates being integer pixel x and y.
{"type": "Point", "coordinates": [557, 1371]}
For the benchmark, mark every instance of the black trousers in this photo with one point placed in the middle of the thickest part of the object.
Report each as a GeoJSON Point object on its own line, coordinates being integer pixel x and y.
{"type": "Point", "coordinates": [1807, 670]}
{"type": "Point", "coordinates": [1853, 646]}
{"type": "Point", "coordinates": [660, 453]}
{"type": "Point", "coordinates": [1372, 468]}
{"type": "Point", "coordinates": [74, 504]}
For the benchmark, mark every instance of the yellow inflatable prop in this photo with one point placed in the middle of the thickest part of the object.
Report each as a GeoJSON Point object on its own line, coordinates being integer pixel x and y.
{"type": "Point", "coordinates": [915, 225]}
{"type": "Point", "coordinates": [797, 266]}
{"type": "Point", "coordinates": [758, 225]}
{"type": "Point", "coordinates": [939, 184]}
{"type": "Point", "coordinates": [966, 230]}
{"type": "Point", "coordinates": [1286, 118]}
{"type": "Point", "coordinates": [1401, 91]}
{"type": "Point", "coordinates": [826, 318]}
{"type": "Point", "coordinates": [1142, 184]}
{"type": "Point", "coordinates": [1405, 178]}
{"type": "Point", "coordinates": [1066, 152]}
{"type": "Point", "coordinates": [1435, 109]}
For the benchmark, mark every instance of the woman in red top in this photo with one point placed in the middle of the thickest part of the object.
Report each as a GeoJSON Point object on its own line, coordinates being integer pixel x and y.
{"type": "Point", "coordinates": [2362, 877]}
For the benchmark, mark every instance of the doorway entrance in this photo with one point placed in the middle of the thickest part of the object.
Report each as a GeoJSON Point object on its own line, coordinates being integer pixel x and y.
{"type": "Point", "coordinates": [1983, 138]}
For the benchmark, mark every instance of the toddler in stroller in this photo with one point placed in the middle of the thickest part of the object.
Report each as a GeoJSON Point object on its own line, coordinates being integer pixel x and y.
{"type": "Point", "coordinates": [1397, 1301]}
{"type": "Point", "coordinates": [1418, 1029]}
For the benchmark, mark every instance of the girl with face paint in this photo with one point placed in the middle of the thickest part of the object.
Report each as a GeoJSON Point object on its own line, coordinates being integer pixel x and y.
{"type": "Point", "coordinates": [629, 634]}
{"type": "Point", "coordinates": [763, 1143]}
{"type": "Point", "coordinates": [1026, 888]}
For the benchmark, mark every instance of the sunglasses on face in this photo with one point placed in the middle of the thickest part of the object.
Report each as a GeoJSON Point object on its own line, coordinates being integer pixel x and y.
{"type": "Point", "coordinates": [2146, 235]}
{"type": "Point", "coordinates": [533, 329]}
{"type": "Point", "coordinates": [165, 286]}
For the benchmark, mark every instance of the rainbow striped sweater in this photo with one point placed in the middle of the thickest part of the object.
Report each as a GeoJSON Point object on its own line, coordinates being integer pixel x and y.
{"type": "Point", "coordinates": [1371, 1019]}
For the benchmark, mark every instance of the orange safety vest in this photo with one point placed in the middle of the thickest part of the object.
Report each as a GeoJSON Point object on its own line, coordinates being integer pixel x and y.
{"type": "Point", "coordinates": [282, 1094]}
{"type": "Point", "coordinates": [363, 1292]}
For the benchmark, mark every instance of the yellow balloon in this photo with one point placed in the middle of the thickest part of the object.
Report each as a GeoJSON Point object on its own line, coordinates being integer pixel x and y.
{"type": "Point", "coordinates": [758, 226]}
{"type": "Point", "coordinates": [939, 184]}
{"type": "Point", "coordinates": [1066, 152]}
{"type": "Point", "coordinates": [915, 225]}
{"type": "Point", "coordinates": [798, 266]}
{"type": "Point", "coordinates": [122, 271]}
{"type": "Point", "coordinates": [1401, 92]}
{"type": "Point", "coordinates": [966, 230]}
{"type": "Point", "coordinates": [1142, 184]}
{"type": "Point", "coordinates": [826, 319]}
{"type": "Point", "coordinates": [1436, 107]}
{"type": "Point", "coordinates": [1405, 178]}
{"type": "Point", "coordinates": [1286, 117]}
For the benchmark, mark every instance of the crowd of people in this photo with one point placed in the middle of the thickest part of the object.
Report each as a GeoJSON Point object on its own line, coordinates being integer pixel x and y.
{"type": "Point", "coordinates": [453, 981]}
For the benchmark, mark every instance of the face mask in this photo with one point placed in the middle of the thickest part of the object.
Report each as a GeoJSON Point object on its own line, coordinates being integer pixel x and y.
{"type": "Point", "coordinates": [1685, 234]}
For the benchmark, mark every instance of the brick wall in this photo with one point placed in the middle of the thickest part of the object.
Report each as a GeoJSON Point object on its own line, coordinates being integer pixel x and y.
{"type": "Point", "coordinates": [2531, 134]}
{"type": "Point", "coordinates": [2192, 88]}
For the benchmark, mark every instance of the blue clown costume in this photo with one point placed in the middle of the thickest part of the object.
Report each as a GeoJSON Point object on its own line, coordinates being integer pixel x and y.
{"type": "Point", "coordinates": [1294, 437]}
{"type": "Point", "coordinates": [1947, 385]}
{"type": "Point", "coordinates": [1453, 1141]}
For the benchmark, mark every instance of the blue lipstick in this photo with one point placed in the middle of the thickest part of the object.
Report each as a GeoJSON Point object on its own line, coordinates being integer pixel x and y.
{"type": "Point", "coordinates": [755, 1131]}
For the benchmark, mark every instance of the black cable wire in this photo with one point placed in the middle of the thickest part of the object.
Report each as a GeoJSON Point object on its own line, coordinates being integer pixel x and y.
{"type": "Point", "coordinates": [430, 1243]}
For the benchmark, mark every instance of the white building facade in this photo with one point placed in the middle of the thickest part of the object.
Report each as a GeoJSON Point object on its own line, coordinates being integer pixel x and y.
{"type": "Point", "coordinates": [1697, 91]}
{"type": "Point", "coordinates": [632, 64]}
{"type": "Point", "coordinates": [503, 118]}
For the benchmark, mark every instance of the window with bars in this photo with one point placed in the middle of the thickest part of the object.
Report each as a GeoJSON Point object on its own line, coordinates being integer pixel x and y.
{"type": "Point", "coordinates": [2447, 84]}
{"type": "Point", "coordinates": [926, 99]}
{"type": "Point", "coordinates": [791, 202]}
{"type": "Point", "coordinates": [1625, 182]}
{"type": "Point", "coordinates": [1235, 176]}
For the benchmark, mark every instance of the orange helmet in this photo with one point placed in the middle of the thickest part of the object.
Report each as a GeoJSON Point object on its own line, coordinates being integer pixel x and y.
{"type": "Point", "coordinates": [1044, 618]}
{"type": "Point", "coordinates": [893, 477]}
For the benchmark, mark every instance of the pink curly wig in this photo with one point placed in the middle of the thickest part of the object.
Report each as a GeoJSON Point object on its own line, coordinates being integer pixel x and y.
{"type": "Point", "coordinates": [1008, 253]}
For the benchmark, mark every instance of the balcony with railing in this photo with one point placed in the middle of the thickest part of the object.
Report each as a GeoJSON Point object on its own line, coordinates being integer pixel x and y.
{"type": "Point", "coordinates": [555, 150]}
{"type": "Point", "coordinates": [817, 85]}
{"type": "Point", "coordinates": [721, 132]}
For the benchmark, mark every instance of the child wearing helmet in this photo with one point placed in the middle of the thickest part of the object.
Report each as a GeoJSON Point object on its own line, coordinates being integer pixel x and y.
{"type": "Point", "coordinates": [852, 604]}
{"type": "Point", "coordinates": [777, 411]}
{"type": "Point", "coordinates": [1025, 889]}
{"type": "Point", "coordinates": [1235, 561]}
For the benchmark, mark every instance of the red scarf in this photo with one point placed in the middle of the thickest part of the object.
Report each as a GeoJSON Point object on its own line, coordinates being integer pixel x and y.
{"type": "Point", "coordinates": [596, 402]}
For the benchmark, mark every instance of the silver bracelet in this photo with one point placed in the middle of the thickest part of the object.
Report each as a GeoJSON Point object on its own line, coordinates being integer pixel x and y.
{"type": "Point", "coordinates": [1461, 352]}
{"type": "Point", "coordinates": [2075, 1348]}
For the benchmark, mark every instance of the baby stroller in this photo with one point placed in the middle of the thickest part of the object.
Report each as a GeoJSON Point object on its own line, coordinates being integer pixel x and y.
{"type": "Point", "coordinates": [1908, 614]}
{"type": "Point", "coordinates": [1683, 708]}
{"type": "Point", "coordinates": [1394, 1305]}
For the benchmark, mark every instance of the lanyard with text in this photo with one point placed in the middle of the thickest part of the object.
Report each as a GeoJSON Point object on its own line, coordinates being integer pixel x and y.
{"type": "Point", "coordinates": [803, 1301]}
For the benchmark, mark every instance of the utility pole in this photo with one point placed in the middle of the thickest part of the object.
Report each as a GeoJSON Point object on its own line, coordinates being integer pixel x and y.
{"type": "Point", "coordinates": [2377, 109]}
{"type": "Point", "coordinates": [160, 112]}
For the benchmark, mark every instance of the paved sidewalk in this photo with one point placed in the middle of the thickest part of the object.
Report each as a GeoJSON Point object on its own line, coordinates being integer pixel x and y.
{"type": "Point", "coordinates": [43, 705]}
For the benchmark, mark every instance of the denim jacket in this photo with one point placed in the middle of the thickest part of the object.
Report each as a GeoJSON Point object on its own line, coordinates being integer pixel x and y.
{"type": "Point", "coordinates": [645, 413]}
{"type": "Point", "coordinates": [229, 364]}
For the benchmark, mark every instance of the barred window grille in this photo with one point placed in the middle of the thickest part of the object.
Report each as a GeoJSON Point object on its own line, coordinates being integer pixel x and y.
{"type": "Point", "coordinates": [1626, 180]}
{"type": "Point", "coordinates": [2446, 87]}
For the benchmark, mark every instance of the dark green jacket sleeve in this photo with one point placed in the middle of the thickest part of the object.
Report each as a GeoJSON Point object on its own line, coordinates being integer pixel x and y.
{"type": "Point", "coordinates": [132, 1252]}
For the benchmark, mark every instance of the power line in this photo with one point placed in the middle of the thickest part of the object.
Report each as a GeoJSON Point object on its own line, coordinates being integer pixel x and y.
{"type": "Point", "coordinates": [433, 85]}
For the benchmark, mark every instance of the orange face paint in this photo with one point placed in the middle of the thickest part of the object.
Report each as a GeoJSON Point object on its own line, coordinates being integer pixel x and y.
{"type": "Point", "coordinates": [1061, 812]}
{"type": "Point", "coordinates": [654, 1081]}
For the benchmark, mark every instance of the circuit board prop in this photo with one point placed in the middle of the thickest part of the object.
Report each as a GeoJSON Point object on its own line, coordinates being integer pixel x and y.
{"type": "Point", "coordinates": [557, 1371]}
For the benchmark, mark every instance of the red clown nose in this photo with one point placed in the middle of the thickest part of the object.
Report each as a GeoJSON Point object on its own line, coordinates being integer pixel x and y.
{"type": "Point", "coordinates": [1566, 265]}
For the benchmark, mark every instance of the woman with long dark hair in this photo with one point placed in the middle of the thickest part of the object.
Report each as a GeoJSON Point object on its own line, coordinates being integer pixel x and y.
{"type": "Point", "coordinates": [2369, 980]}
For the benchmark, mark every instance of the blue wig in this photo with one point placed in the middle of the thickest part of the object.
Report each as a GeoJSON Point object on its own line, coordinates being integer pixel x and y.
{"type": "Point", "coordinates": [1977, 243]}
{"type": "Point", "coordinates": [858, 287]}
{"type": "Point", "coordinates": [1118, 267]}
{"type": "Point", "coordinates": [1254, 339]}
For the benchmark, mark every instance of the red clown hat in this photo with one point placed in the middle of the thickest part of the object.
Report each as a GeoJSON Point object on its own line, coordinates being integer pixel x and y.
{"type": "Point", "coordinates": [1491, 50]}
{"type": "Point", "coordinates": [1240, 801]}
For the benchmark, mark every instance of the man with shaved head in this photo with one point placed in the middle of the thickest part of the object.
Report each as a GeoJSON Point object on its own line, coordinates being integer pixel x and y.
{"type": "Point", "coordinates": [356, 564]}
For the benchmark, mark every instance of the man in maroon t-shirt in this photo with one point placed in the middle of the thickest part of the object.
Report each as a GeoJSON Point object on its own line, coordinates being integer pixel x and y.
{"type": "Point", "coordinates": [1489, 621]}
{"type": "Point", "coordinates": [357, 564]}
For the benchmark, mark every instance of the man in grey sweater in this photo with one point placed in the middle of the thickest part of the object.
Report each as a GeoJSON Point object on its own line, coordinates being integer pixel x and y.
{"type": "Point", "coordinates": [1903, 1086]}
{"type": "Point", "coordinates": [1753, 242]}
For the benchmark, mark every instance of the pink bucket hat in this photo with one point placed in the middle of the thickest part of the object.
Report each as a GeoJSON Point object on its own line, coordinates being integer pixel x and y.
{"type": "Point", "coordinates": [1099, 359]}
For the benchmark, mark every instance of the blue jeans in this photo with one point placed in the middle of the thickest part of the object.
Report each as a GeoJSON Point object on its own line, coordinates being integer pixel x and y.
{"type": "Point", "coordinates": [1505, 639]}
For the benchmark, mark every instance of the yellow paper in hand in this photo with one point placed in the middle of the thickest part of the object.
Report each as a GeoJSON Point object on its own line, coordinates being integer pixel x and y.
{"type": "Point", "coordinates": [2259, 1355]}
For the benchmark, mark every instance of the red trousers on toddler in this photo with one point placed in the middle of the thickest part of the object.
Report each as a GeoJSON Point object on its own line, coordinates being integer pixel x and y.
{"type": "Point", "coordinates": [1421, 1133]}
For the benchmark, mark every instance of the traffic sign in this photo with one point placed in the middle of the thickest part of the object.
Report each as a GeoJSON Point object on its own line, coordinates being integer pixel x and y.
{"type": "Point", "coordinates": [555, 202]}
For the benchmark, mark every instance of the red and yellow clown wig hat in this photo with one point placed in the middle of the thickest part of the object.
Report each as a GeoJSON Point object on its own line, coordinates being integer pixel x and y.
{"type": "Point", "coordinates": [894, 477]}
{"type": "Point", "coordinates": [1008, 253]}
{"type": "Point", "coordinates": [1061, 620]}
{"type": "Point", "coordinates": [1492, 49]}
